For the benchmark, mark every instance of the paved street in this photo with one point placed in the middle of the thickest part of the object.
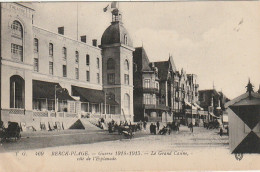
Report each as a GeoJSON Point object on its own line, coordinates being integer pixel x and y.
{"type": "Point", "coordinates": [35, 140]}
{"type": "Point", "coordinates": [76, 149]}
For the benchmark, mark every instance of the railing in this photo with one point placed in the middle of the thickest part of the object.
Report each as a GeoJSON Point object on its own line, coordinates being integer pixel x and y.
{"type": "Point", "coordinates": [157, 106]}
{"type": "Point", "coordinates": [16, 111]}
{"type": "Point", "coordinates": [70, 115]}
{"type": "Point", "coordinates": [52, 114]}
{"type": "Point", "coordinates": [60, 114]}
{"type": "Point", "coordinates": [40, 113]}
{"type": "Point", "coordinates": [150, 90]}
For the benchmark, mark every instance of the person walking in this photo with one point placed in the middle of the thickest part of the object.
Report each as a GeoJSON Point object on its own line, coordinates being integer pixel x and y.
{"type": "Point", "coordinates": [158, 125]}
{"type": "Point", "coordinates": [145, 125]}
{"type": "Point", "coordinates": [221, 131]}
{"type": "Point", "coordinates": [191, 127]}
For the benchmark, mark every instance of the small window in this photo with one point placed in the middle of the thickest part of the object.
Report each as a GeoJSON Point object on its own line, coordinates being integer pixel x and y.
{"type": "Point", "coordinates": [126, 79]}
{"type": "Point", "coordinates": [64, 53]}
{"type": "Point", "coordinates": [126, 65]}
{"type": "Point", "coordinates": [87, 60]}
{"type": "Point", "coordinates": [110, 64]}
{"type": "Point", "coordinates": [147, 99]}
{"type": "Point", "coordinates": [77, 73]}
{"type": "Point", "coordinates": [98, 63]}
{"type": "Point", "coordinates": [50, 49]}
{"type": "Point", "coordinates": [125, 39]}
{"type": "Point", "coordinates": [147, 83]}
{"type": "Point", "coordinates": [36, 45]}
{"type": "Point", "coordinates": [111, 78]}
{"type": "Point", "coordinates": [51, 68]}
{"type": "Point", "coordinates": [157, 85]}
{"type": "Point", "coordinates": [36, 65]}
{"type": "Point", "coordinates": [87, 76]}
{"type": "Point", "coordinates": [64, 70]}
{"type": "Point", "coordinates": [77, 57]}
{"type": "Point", "coordinates": [17, 52]}
{"type": "Point", "coordinates": [98, 78]}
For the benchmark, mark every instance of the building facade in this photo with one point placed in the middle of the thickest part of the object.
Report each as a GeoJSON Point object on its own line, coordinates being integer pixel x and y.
{"type": "Point", "coordinates": [161, 93]}
{"type": "Point", "coordinates": [213, 101]}
{"type": "Point", "coordinates": [148, 104]}
{"type": "Point", "coordinates": [47, 76]}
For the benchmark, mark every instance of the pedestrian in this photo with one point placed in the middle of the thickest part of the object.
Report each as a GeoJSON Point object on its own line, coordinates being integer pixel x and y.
{"type": "Point", "coordinates": [151, 128]}
{"type": "Point", "coordinates": [178, 126]}
{"type": "Point", "coordinates": [191, 127]}
{"type": "Point", "coordinates": [145, 125]}
{"type": "Point", "coordinates": [158, 125]}
{"type": "Point", "coordinates": [221, 131]}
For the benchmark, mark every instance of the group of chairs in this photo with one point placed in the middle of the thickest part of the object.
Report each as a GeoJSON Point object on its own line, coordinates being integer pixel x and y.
{"type": "Point", "coordinates": [51, 127]}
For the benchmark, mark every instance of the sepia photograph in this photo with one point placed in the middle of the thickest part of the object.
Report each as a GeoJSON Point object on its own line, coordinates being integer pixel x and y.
{"type": "Point", "coordinates": [129, 86]}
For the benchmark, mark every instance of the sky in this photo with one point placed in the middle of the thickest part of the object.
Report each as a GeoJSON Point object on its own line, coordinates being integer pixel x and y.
{"type": "Point", "coordinates": [218, 41]}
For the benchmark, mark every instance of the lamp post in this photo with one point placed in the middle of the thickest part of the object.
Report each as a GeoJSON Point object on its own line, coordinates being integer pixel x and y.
{"type": "Point", "coordinates": [105, 104]}
{"type": "Point", "coordinates": [55, 99]}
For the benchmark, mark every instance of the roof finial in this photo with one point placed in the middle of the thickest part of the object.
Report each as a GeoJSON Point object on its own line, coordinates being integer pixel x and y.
{"type": "Point", "coordinates": [249, 88]}
{"type": "Point", "coordinates": [259, 89]}
{"type": "Point", "coordinates": [213, 86]}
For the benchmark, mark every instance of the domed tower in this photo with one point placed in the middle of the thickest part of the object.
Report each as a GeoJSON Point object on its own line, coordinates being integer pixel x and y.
{"type": "Point", "coordinates": [117, 53]}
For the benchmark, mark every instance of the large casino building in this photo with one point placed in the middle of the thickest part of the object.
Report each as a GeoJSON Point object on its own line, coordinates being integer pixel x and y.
{"type": "Point", "coordinates": [48, 77]}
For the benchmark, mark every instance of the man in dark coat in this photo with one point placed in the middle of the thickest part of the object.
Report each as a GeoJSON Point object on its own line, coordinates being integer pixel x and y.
{"type": "Point", "coordinates": [158, 125]}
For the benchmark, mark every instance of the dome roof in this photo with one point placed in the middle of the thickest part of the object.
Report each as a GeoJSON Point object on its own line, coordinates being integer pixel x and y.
{"type": "Point", "coordinates": [116, 33]}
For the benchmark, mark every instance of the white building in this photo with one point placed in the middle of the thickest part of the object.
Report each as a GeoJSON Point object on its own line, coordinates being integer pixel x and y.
{"type": "Point", "coordinates": [47, 76]}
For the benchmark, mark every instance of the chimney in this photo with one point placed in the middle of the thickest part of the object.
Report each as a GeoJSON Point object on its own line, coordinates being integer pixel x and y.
{"type": "Point", "coordinates": [94, 42]}
{"type": "Point", "coordinates": [61, 30]}
{"type": "Point", "coordinates": [83, 38]}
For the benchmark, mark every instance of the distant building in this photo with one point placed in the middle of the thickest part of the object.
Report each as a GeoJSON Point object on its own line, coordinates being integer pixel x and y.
{"type": "Point", "coordinates": [212, 101]}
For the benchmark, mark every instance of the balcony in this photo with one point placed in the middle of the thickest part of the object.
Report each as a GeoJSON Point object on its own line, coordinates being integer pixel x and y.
{"type": "Point", "coordinates": [151, 90]}
{"type": "Point", "coordinates": [156, 107]}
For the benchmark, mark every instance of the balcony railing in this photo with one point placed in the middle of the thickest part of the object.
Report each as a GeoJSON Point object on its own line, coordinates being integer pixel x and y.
{"type": "Point", "coordinates": [157, 106]}
{"type": "Point", "coordinates": [150, 90]}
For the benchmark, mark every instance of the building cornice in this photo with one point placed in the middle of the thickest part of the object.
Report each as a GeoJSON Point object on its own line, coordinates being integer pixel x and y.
{"type": "Point", "coordinates": [63, 36]}
{"type": "Point", "coordinates": [117, 45]}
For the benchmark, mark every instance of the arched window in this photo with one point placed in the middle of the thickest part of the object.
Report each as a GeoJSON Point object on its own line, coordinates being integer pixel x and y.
{"type": "Point", "coordinates": [17, 29]}
{"type": "Point", "coordinates": [64, 53]}
{"type": "Point", "coordinates": [125, 39]}
{"type": "Point", "coordinates": [17, 41]}
{"type": "Point", "coordinates": [127, 104]}
{"type": "Point", "coordinates": [16, 92]}
{"type": "Point", "coordinates": [36, 45]}
{"type": "Point", "coordinates": [110, 63]}
{"type": "Point", "coordinates": [126, 65]}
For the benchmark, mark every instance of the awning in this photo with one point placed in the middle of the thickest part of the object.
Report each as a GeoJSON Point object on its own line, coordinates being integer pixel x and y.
{"type": "Point", "coordinates": [46, 90]}
{"type": "Point", "coordinates": [213, 115]}
{"type": "Point", "coordinates": [92, 96]}
{"type": "Point", "coordinates": [189, 104]}
{"type": "Point", "coordinates": [195, 104]}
